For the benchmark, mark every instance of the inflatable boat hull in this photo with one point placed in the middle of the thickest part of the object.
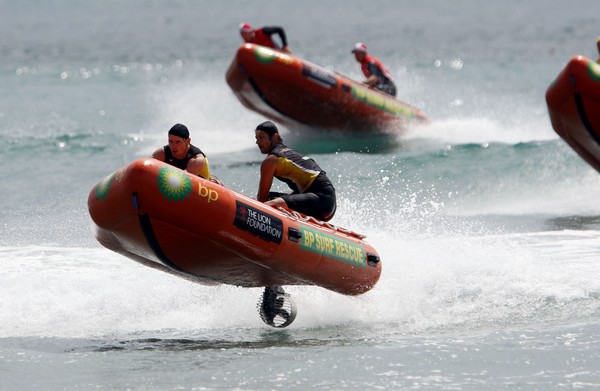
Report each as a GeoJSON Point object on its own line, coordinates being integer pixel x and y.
{"type": "Point", "coordinates": [166, 218]}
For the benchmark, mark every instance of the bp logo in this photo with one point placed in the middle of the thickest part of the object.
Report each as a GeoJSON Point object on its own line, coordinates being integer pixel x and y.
{"type": "Point", "coordinates": [174, 184]}
{"type": "Point", "coordinates": [594, 70]}
{"type": "Point", "coordinates": [264, 55]}
{"type": "Point", "coordinates": [103, 186]}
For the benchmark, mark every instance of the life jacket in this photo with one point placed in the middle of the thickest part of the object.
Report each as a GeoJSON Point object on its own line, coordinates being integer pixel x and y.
{"type": "Point", "coordinates": [364, 65]}
{"type": "Point", "coordinates": [296, 170]}
{"type": "Point", "coordinates": [182, 163]}
{"type": "Point", "coordinates": [260, 38]}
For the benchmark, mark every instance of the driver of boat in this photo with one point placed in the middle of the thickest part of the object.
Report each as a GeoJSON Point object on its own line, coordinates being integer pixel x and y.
{"type": "Point", "coordinates": [182, 154]}
{"type": "Point", "coordinates": [264, 36]}
{"type": "Point", "coordinates": [377, 75]}
{"type": "Point", "coordinates": [312, 194]}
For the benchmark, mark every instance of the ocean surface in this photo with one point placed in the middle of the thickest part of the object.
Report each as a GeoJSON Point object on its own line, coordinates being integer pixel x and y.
{"type": "Point", "coordinates": [487, 223]}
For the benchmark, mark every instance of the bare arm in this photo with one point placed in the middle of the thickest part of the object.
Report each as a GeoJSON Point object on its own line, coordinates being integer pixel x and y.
{"type": "Point", "coordinates": [267, 173]}
{"type": "Point", "coordinates": [371, 80]}
{"type": "Point", "coordinates": [159, 154]}
{"type": "Point", "coordinates": [196, 164]}
{"type": "Point", "coordinates": [375, 74]}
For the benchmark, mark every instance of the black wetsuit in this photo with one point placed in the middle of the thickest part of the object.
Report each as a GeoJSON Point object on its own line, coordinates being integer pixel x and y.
{"type": "Point", "coordinates": [313, 193]}
{"type": "Point", "coordinates": [182, 163]}
{"type": "Point", "coordinates": [265, 34]}
{"type": "Point", "coordinates": [385, 82]}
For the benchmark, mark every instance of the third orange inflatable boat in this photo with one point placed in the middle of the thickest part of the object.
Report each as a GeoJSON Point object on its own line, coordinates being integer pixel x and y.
{"type": "Point", "coordinates": [574, 107]}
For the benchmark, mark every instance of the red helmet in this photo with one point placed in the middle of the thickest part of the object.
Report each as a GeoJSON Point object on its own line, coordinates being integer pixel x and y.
{"type": "Point", "coordinates": [360, 47]}
{"type": "Point", "coordinates": [246, 28]}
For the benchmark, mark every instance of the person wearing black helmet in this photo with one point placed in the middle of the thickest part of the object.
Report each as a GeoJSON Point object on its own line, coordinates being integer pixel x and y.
{"type": "Point", "coordinates": [312, 194]}
{"type": "Point", "coordinates": [182, 154]}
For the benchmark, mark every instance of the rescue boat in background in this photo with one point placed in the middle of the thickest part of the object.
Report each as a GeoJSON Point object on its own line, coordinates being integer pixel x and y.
{"type": "Point", "coordinates": [296, 92]}
{"type": "Point", "coordinates": [182, 224]}
{"type": "Point", "coordinates": [574, 106]}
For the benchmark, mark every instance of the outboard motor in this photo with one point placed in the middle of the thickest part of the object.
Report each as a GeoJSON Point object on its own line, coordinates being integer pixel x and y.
{"type": "Point", "coordinates": [276, 308]}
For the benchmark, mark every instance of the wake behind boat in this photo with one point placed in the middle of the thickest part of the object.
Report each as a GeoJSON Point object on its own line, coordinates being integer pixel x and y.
{"type": "Point", "coordinates": [295, 92]}
{"type": "Point", "coordinates": [182, 224]}
{"type": "Point", "coordinates": [574, 106]}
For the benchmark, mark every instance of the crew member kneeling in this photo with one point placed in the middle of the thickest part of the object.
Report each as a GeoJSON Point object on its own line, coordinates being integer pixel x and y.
{"type": "Point", "coordinates": [313, 193]}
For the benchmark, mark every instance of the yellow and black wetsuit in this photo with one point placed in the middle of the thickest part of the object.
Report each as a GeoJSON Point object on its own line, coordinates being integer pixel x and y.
{"type": "Point", "coordinates": [182, 163]}
{"type": "Point", "coordinates": [313, 193]}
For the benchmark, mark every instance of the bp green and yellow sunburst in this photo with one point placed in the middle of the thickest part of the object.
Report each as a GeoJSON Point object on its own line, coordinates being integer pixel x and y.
{"type": "Point", "coordinates": [103, 186]}
{"type": "Point", "coordinates": [174, 184]}
{"type": "Point", "coordinates": [594, 70]}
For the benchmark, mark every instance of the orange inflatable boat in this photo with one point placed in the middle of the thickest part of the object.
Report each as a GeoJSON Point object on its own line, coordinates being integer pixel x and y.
{"type": "Point", "coordinates": [574, 106]}
{"type": "Point", "coordinates": [171, 220]}
{"type": "Point", "coordinates": [295, 92]}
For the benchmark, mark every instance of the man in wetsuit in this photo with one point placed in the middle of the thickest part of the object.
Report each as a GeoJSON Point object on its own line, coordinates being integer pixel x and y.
{"type": "Point", "coordinates": [263, 36]}
{"type": "Point", "coordinates": [377, 75]}
{"type": "Point", "coordinates": [182, 154]}
{"type": "Point", "coordinates": [598, 44]}
{"type": "Point", "coordinates": [313, 193]}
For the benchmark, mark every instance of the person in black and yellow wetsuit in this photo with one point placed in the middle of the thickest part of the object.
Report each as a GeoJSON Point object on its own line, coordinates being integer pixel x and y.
{"type": "Point", "coordinates": [182, 154]}
{"type": "Point", "coordinates": [313, 193]}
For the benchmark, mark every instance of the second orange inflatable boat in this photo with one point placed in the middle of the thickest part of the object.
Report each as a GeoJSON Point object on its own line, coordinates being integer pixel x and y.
{"type": "Point", "coordinates": [288, 89]}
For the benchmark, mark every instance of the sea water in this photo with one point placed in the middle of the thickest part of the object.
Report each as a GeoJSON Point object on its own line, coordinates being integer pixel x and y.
{"type": "Point", "coordinates": [488, 224]}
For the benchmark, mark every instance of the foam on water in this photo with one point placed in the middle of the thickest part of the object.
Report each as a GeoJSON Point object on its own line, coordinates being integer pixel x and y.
{"type": "Point", "coordinates": [481, 131]}
{"type": "Point", "coordinates": [431, 283]}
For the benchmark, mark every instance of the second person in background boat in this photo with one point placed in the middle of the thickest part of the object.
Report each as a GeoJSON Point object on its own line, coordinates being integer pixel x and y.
{"type": "Point", "coordinates": [377, 75]}
{"type": "Point", "coordinates": [264, 36]}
